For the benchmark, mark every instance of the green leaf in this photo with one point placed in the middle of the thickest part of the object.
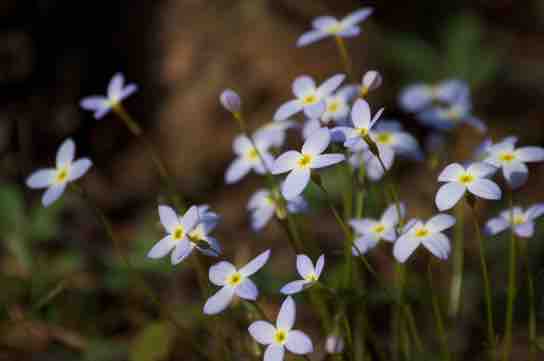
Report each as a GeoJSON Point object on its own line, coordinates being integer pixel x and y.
{"type": "Point", "coordinates": [11, 208]}
{"type": "Point", "coordinates": [153, 343]}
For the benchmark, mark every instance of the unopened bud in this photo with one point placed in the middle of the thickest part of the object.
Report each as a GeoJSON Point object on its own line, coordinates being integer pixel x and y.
{"type": "Point", "coordinates": [334, 344]}
{"type": "Point", "coordinates": [231, 101]}
{"type": "Point", "coordinates": [371, 81]}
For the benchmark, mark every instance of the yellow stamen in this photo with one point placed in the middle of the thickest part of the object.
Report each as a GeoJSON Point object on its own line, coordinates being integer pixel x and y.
{"type": "Point", "coordinates": [234, 279]}
{"type": "Point", "coordinates": [519, 220]}
{"type": "Point", "coordinates": [466, 178]}
{"type": "Point", "coordinates": [333, 107]}
{"type": "Point", "coordinates": [178, 233]}
{"type": "Point", "coordinates": [252, 154]}
{"type": "Point", "coordinates": [62, 175]}
{"type": "Point", "coordinates": [312, 277]}
{"type": "Point", "coordinates": [422, 232]}
{"type": "Point", "coordinates": [379, 228]}
{"type": "Point", "coordinates": [305, 161]}
{"type": "Point", "coordinates": [309, 99]}
{"type": "Point", "coordinates": [507, 157]}
{"type": "Point", "coordinates": [280, 336]}
{"type": "Point", "coordinates": [384, 138]}
{"type": "Point", "coordinates": [362, 132]}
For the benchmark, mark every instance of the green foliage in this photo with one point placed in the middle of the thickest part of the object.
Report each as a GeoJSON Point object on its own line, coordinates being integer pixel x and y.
{"type": "Point", "coordinates": [153, 343]}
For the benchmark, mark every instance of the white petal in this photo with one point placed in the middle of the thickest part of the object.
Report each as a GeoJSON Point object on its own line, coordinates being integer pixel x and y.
{"type": "Point", "coordinates": [260, 217]}
{"type": "Point", "coordinates": [330, 85]}
{"type": "Point", "coordinates": [525, 230]}
{"type": "Point", "coordinates": [357, 16]}
{"type": "Point", "coordinates": [262, 331]}
{"type": "Point", "coordinates": [365, 243]}
{"type": "Point", "coordinates": [93, 103]}
{"type": "Point", "coordinates": [363, 226]}
{"type": "Point", "coordinates": [311, 37]}
{"type": "Point", "coordinates": [516, 174]}
{"type": "Point", "coordinates": [115, 86]}
{"type": "Point", "coordinates": [161, 248]}
{"type": "Point", "coordinates": [299, 343]}
{"type": "Point", "coordinates": [293, 287]}
{"type": "Point", "coordinates": [128, 91]}
{"type": "Point", "coordinates": [241, 144]}
{"type": "Point", "coordinates": [79, 168]}
{"type": "Point", "coordinates": [404, 247]}
{"type": "Point", "coordinates": [535, 211]}
{"type": "Point", "coordinates": [391, 214]}
{"type": "Point", "coordinates": [287, 109]}
{"type": "Point", "coordinates": [237, 170]}
{"type": "Point", "coordinates": [496, 225]}
{"type": "Point", "coordinates": [448, 195]}
{"type": "Point", "coordinates": [530, 154]}
{"type": "Point", "coordinates": [360, 114]}
{"type": "Point", "coordinates": [440, 222]}
{"type": "Point", "coordinates": [190, 219]}
{"type": "Point", "coordinates": [66, 153]}
{"type": "Point", "coordinates": [255, 264]}
{"type": "Point", "coordinates": [218, 302]}
{"type": "Point", "coordinates": [303, 85]}
{"type": "Point", "coordinates": [317, 142]}
{"type": "Point", "coordinates": [485, 188]}
{"type": "Point", "coordinates": [439, 245]}
{"type": "Point", "coordinates": [285, 162]}
{"type": "Point", "coordinates": [324, 22]}
{"type": "Point", "coordinates": [415, 97]}
{"type": "Point", "coordinates": [247, 290]}
{"type": "Point", "coordinates": [315, 110]}
{"type": "Point", "coordinates": [319, 265]}
{"type": "Point", "coordinates": [481, 169]}
{"type": "Point", "coordinates": [287, 314]}
{"type": "Point", "coordinates": [182, 250]}
{"type": "Point", "coordinates": [258, 199]}
{"type": "Point", "coordinates": [52, 194]}
{"type": "Point", "coordinates": [295, 183]}
{"type": "Point", "coordinates": [350, 32]}
{"type": "Point", "coordinates": [42, 178]}
{"type": "Point", "coordinates": [220, 271]}
{"type": "Point", "coordinates": [372, 80]}
{"type": "Point", "coordinates": [451, 173]}
{"type": "Point", "coordinates": [274, 352]}
{"type": "Point", "coordinates": [304, 265]}
{"type": "Point", "coordinates": [326, 160]}
{"type": "Point", "coordinates": [169, 218]}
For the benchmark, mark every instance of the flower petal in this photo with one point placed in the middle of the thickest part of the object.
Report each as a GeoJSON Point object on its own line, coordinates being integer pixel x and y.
{"type": "Point", "coordinates": [330, 85]}
{"type": "Point", "coordinates": [287, 109]}
{"type": "Point", "coordinates": [161, 248]}
{"type": "Point", "coordinates": [364, 243]}
{"type": "Point", "coordinates": [530, 154]}
{"type": "Point", "coordinates": [230, 100]}
{"type": "Point", "coordinates": [303, 85]}
{"type": "Point", "coordinates": [293, 287]}
{"type": "Point", "coordinates": [93, 103]}
{"type": "Point", "coordinates": [304, 265]}
{"type": "Point", "coordinates": [220, 271]}
{"type": "Point", "coordinates": [357, 16]}
{"type": "Point", "coordinates": [439, 245]}
{"type": "Point", "coordinates": [310, 37]}
{"type": "Point", "coordinates": [274, 352]}
{"type": "Point", "coordinates": [319, 265]}
{"type": "Point", "coordinates": [315, 110]}
{"type": "Point", "coordinates": [285, 162]}
{"type": "Point", "coordinates": [182, 250]}
{"type": "Point", "coordinates": [496, 225]}
{"type": "Point", "coordinates": [66, 153]}
{"type": "Point", "coordinates": [440, 222]}
{"type": "Point", "coordinates": [415, 97]}
{"type": "Point", "coordinates": [317, 142]}
{"type": "Point", "coordinates": [360, 114]}
{"type": "Point", "coordinates": [525, 230]}
{"type": "Point", "coordinates": [485, 188]}
{"type": "Point", "coordinates": [363, 226]}
{"type": "Point", "coordinates": [190, 219]}
{"type": "Point", "coordinates": [404, 247]}
{"type": "Point", "coordinates": [350, 32]}
{"type": "Point", "coordinates": [260, 217]}
{"type": "Point", "coordinates": [79, 168]}
{"type": "Point", "coordinates": [535, 211]}
{"type": "Point", "coordinates": [448, 195]}
{"type": "Point", "coordinates": [42, 178]}
{"type": "Point", "coordinates": [299, 343]}
{"type": "Point", "coordinates": [168, 217]}
{"type": "Point", "coordinates": [256, 264]}
{"type": "Point", "coordinates": [237, 170]}
{"type": "Point", "coordinates": [324, 22]}
{"type": "Point", "coordinates": [481, 169]}
{"type": "Point", "coordinates": [391, 214]}
{"type": "Point", "coordinates": [115, 87]}
{"type": "Point", "coordinates": [247, 290]}
{"type": "Point", "coordinates": [295, 183]}
{"type": "Point", "coordinates": [515, 173]}
{"type": "Point", "coordinates": [218, 302]}
{"type": "Point", "coordinates": [451, 173]}
{"type": "Point", "coordinates": [262, 331]}
{"type": "Point", "coordinates": [128, 91]}
{"type": "Point", "coordinates": [287, 314]}
{"type": "Point", "coordinates": [326, 160]}
{"type": "Point", "coordinates": [52, 194]}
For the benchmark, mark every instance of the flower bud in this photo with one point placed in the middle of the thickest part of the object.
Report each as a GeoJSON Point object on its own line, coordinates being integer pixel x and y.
{"type": "Point", "coordinates": [371, 81]}
{"type": "Point", "coordinates": [334, 344]}
{"type": "Point", "coordinates": [231, 101]}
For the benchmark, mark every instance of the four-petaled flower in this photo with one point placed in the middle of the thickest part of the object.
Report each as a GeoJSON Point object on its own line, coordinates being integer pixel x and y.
{"type": "Point", "coordinates": [325, 26]}
{"type": "Point", "coordinates": [263, 204]}
{"type": "Point", "coordinates": [523, 223]}
{"type": "Point", "coordinates": [117, 92]}
{"type": "Point", "coordinates": [282, 336]}
{"type": "Point", "coordinates": [370, 231]}
{"type": "Point", "coordinates": [460, 179]}
{"type": "Point", "coordinates": [248, 158]}
{"type": "Point", "coordinates": [356, 136]}
{"type": "Point", "coordinates": [233, 282]}
{"type": "Point", "coordinates": [56, 179]}
{"type": "Point", "coordinates": [310, 274]}
{"type": "Point", "coordinates": [512, 161]}
{"type": "Point", "coordinates": [428, 234]}
{"type": "Point", "coordinates": [309, 98]}
{"type": "Point", "coordinates": [417, 97]}
{"type": "Point", "coordinates": [300, 164]}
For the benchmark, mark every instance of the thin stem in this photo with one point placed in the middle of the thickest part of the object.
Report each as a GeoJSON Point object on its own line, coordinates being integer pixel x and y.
{"type": "Point", "coordinates": [410, 319]}
{"type": "Point", "coordinates": [343, 50]}
{"type": "Point", "coordinates": [485, 277]}
{"type": "Point", "coordinates": [438, 315]}
{"type": "Point", "coordinates": [458, 260]}
{"type": "Point", "coordinates": [511, 284]}
{"type": "Point", "coordinates": [532, 312]}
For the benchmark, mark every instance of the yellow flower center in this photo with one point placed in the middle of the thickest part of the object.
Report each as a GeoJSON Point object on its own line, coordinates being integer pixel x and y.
{"type": "Point", "coordinates": [309, 99]}
{"type": "Point", "coordinates": [466, 178]}
{"type": "Point", "coordinates": [178, 233]}
{"type": "Point", "coordinates": [507, 157]}
{"type": "Point", "coordinates": [305, 161]}
{"type": "Point", "coordinates": [234, 279]}
{"type": "Point", "coordinates": [62, 175]}
{"type": "Point", "coordinates": [384, 138]}
{"type": "Point", "coordinates": [334, 29]}
{"type": "Point", "coordinates": [312, 277]}
{"type": "Point", "coordinates": [362, 132]}
{"type": "Point", "coordinates": [333, 106]}
{"type": "Point", "coordinates": [519, 220]}
{"type": "Point", "coordinates": [197, 235]}
{"type": "Point", "coordinates": [379, 228]}
{"type": "Point", "coordinates": [422, 232]}
{"type": "Point", "coordinates": [252, 154]}
{"type": "Point", "coordinates": [280, 336]}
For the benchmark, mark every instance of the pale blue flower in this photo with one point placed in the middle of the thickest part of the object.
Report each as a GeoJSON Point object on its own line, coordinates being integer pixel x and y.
{"type": "Point", "coordinates": [117, 92]}
{"type": "Point", "coordinates": [362, 123]}
{"type": "Point", "coordinates": [263, 204]}
{"type": "Point", "coordinates": [417, 97]}
{"type": "Point", "coordinates": [230, 100]}
{"type": "Point", "coordinates": [248, 158]}
{"type": "Point", "coordinates": [309, 274]}
{"type": "Point", "coordinates": [523, 222]}
{"type": "Point", "coordinates": [448, 116]}
{"type": "Point", "coordinates": [274, 133]}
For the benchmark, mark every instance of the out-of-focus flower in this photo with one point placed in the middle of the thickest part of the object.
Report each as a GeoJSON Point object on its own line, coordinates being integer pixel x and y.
{"type": "Point", "coordinates": [208, 218]}
{"type": "Point", "coordinates": [370, 231]}
{"type": "Point", "coordinates": [233, 282]}
{"type": "Point", "coordinates": [274, 133]}
{"type": "Point", "coordinates": [482, 151]}
{"type": "Point", "coordinates": [325, 26]}
{"type": "Point", "coordinates": [337, 104]}
{"type": "Point", "coordinates": [512, 161]}
{"type": "Point", "coordinates": [356, 137]}
{"type": "Point", "coordinates": [281, 336]}
{"type": "Point", "coordinates": [310, 274]}
{"type": "Point", "coordinates": [248, 158]}
{"type": "Point", "coordinates": [460, 179]}
{"type": "Point", "coordinates": [200, 235]}
{"type": "Point", "coordinates": [178, 229]}
{"type": "Point", "coordinates": [230, 100]}
{"type": "Point", "coordinates": [309, 98]}
{"type": "Point", "coordinates": [300, 164]}
{"type": "Point", "coordinates": [448, 116]}
{"type": "Point", "coordinates": [523, 222]}
{"type": "Point", "coordinates": [334, 344]}
{"type": "Point", "coordinates": [372, 80]}
{"type": "Point", "coordinates": [428, 234]}
{"type": "Point", "coordinates": [263, 204]}
{"type": "Point", "coordinates": [117, 92]}
{"type": "Point", "coordinates": [415, 98]}
{"type": "Point", "coordinates": [56, 179]}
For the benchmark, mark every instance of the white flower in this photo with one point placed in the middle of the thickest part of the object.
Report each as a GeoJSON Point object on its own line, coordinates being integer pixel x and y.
{"type": "Point", "coordinates": [460, 179]}
{"type": "Point", "coordinates": [179, 230]}
{"type": "Point", "coordinates": [337, 104]}
{"type": "Point", "coordinates": [417, 97]}
{"type": "Point", "coordinates": [325, 26]}
{"type": "Point", "coordinates": [522, 222]}
{"type": "Point", "coordinates": [233, 282]}
{"type": "Point", "coordinates": [512, 161]}
{"type": "Point", "coordinates": [248, 158]}
{"type": "Point", "coordinates": [200, 237]}
{"type": "Point", "coordinates": [334, 344]}
{"type": "Point", "coordinates": [56, 179]}
{"type": "Point", "coordinates": [117, 92]}
{"type": "Point", "coordinates": [274, 133]}
{"type": "Point", "coordinates": [263, 204]}
{"type": "Point", "coordinates": [370, 231]}
{"type": "Point", "coordinates": [372, 80]}
{"type": "Point", "coordinates": [231, 101]}
{"type": "Point", "coordinates": [281, 336]}
{"type": "Point", "coordinates": [300, 164]}
{"type": "Point", "coordinates": [310, 274]}
{"type": "Point", "coordinates": [309, 98]}
{"type": "Point", "coordinates": [311, 125]}
{"type": "Point", "coordinates": [362, 124]}
{"type": "Point", "coordinates": [428, 234]}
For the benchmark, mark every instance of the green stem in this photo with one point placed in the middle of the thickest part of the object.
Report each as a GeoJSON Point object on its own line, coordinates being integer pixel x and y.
{"type": "Point", "coordinates": [438, 315]}
{"type": "Point", "coordinates": [458, 260]}
{"type": "Point", "coordinates": [343, 50]}
{"type": "Point", "coordinates": [511, 284]}
{"type": "Point", "coordinates": [532, 312]}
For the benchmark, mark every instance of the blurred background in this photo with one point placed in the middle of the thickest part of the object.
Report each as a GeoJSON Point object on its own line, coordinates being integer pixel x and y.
{"type": "Point", "coordinates": [65, 293]}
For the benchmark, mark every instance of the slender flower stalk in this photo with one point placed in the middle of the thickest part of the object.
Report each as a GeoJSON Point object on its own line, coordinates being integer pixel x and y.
{"type": "Point", "coordinates": [344, 54]}
{"type": "Point", "coordinates": [458, 261]}
{"type": "Point", "coordinates": [438, 315]}
{"type": "Point", "coordinates": [511, 283]}
{"type": "Point", "coordinates": [532, 311]}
